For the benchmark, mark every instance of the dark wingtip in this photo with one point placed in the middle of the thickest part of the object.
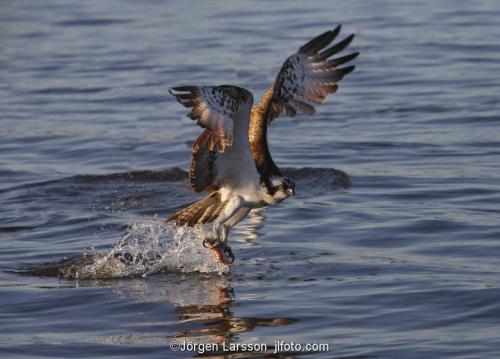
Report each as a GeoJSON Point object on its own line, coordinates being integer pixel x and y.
{"type": "Point", "coordinates": [354, 55]}
{"type": "Point", "coordinates": [336, 31]}
{"type": "Point", "coordinates": [337, 47]}
{"type": "Point", "coordinates": [339, 74]}
{"type": "Point", "coordinates": [342, 60]}
{"type": "Point", "coordinates": [320, 41]}
{"type": "Point", "coordinates": [347, 70]}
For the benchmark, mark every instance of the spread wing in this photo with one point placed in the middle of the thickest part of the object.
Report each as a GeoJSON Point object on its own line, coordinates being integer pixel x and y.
{"type": "Point", "coordinates": [214, 108]}
{"type": "Point", "coordinates": [307, 77]}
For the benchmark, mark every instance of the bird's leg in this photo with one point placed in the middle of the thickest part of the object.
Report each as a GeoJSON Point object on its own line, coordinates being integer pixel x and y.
{"type": "Point", "coordinates": [227, 226]}
{"type": "Point", "coordinates": [221, 230]}
{"type": "Point", "coordinates": [230, 223]}
{"type": "Point", "coordinates": [212, 242]}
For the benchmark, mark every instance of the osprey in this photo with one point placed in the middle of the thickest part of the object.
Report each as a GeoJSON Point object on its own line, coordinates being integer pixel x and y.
{"type": "Point", "coordinates": [231, 159]}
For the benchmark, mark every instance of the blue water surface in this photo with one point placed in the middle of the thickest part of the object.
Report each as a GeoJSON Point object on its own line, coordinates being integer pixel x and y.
{"type": "Point", "coordinates": [404, 263]}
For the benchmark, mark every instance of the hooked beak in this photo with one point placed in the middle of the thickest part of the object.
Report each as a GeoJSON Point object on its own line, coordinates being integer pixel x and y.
{"type": "Point", "coordinates": [291, 191]}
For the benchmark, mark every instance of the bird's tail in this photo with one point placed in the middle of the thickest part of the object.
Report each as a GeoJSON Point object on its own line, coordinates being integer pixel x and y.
{"type": "Point", "coordinates": [205, 210]}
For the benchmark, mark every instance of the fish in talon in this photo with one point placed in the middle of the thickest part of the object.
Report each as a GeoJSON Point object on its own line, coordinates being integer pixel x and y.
{"type": "Point", "coordinates": [223, 254]}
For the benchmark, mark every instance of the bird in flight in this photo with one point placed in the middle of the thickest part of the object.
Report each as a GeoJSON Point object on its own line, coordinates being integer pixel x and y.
{"type": "Point", "coordinates": [231, 160]}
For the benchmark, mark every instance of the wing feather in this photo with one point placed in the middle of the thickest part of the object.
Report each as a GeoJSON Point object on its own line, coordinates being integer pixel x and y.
{"type": "Point", "coordinates": [204, 210]}
{"type": "Point", "coordinates": [203, 171]}
{"type": "Point", "coordinates": [307, 77]}
{"type": "Point", "coordinates": [213, 107]}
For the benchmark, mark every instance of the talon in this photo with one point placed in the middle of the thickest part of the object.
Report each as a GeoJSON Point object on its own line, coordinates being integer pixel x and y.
{"type": "Point", "coordinates": [230, 259]}
{"type": "Point", "coordinates": [209, 243]}
{"type": "Point", "coordinates": [229, 253]}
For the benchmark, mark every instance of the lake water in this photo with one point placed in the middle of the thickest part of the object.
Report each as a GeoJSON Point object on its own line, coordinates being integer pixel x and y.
{"type": "Point", "coordinates": [404, 263]}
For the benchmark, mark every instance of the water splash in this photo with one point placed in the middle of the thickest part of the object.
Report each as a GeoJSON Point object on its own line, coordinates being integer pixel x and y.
{"type": "Point", "coordinates": [147, 247]}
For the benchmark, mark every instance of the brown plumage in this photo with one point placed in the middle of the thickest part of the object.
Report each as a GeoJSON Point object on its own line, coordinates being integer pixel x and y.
{"type": "Point", "coordinates": [203, 171]}
{"type": "Point", "coordinates": [213, 107]}
{"type": "Point", "coordinates": [304, 80]}
{"type": "Point", "coordinates": [203, 211]}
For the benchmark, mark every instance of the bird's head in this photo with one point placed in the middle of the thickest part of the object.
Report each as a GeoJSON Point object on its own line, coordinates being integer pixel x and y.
{"type": "Point", "coordinates": [283, 187]}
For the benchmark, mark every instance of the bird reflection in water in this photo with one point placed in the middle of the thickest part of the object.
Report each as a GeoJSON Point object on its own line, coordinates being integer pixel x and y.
{"type": "Point", "coordinates": [219, 322]}
{"type": "Point", "coordinates": [203, 303]}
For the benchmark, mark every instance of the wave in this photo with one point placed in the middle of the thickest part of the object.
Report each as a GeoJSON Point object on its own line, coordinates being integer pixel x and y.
{"type": "Point", "coordinates": [320, 175]}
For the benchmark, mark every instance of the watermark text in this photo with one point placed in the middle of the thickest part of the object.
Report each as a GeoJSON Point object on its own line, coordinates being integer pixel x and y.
{"type": "Point", "coordinates": [279, 346]}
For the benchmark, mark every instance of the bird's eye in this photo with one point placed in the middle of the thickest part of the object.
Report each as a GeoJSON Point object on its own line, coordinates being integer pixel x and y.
{"type": "Point", "coordinates": [288, 183]}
